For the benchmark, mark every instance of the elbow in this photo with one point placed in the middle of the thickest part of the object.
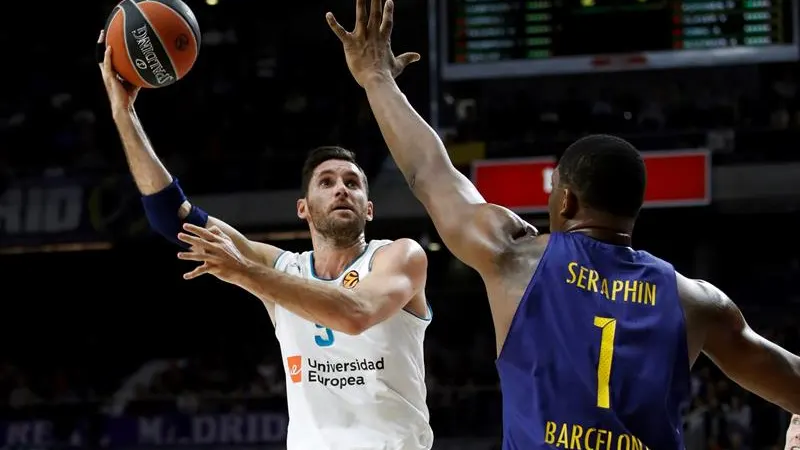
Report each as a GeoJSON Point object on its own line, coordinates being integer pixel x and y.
{"type": "Point", "coordinates": [358, 318]}
{"type": "Point", "coordinates": [356, 323]}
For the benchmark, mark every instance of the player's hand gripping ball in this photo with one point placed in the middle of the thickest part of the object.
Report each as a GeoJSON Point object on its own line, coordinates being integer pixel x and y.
{"type": "Point", "coordinates": [154, 43]}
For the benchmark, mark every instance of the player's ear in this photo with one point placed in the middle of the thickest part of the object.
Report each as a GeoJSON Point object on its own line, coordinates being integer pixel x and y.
{"type": "Point", "coordinates": [302, 209]}
{"type": "Point", "coordinates": [569, 204]}
{"type": "Point", "coordinates": [370, 211]}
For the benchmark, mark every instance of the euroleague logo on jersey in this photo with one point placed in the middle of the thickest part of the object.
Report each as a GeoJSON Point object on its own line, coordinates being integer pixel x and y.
{"type": "Point", "coordinates": [350, 279]}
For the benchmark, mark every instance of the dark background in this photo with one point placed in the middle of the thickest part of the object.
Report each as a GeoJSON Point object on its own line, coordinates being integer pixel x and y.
{"type": "Point", "coordinates": [270, 84]}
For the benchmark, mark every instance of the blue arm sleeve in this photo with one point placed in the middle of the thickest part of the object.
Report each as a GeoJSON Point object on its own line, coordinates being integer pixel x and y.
{"type": "Point", "coordinates": [162, 208]}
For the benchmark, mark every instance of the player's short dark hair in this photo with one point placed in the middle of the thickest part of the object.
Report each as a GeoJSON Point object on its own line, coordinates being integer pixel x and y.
{"type": "Point", "coordinates": [326, 153]}
{"type": "Point", "coordinates": [607, 174]}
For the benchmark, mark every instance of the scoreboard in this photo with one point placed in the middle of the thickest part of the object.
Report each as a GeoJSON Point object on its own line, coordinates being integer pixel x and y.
{"type": "Point", "coordinates": [508, 38]}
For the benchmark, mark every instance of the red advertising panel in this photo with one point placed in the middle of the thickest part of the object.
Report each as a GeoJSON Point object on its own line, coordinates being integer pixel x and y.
{"type": "Point", "coordinates": [674, 178]}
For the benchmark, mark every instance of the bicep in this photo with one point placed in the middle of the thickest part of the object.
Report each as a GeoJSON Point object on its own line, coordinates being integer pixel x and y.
{"type": "Point", "coordinates": [473, 230]}
{"type": "Point", "coordinates": [399, 273]}
{"type": "Point", "coordinates": [749, 359]}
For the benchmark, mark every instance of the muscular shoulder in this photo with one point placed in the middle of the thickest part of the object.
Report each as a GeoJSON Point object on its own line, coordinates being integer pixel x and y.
{"type": "Point", "coordinates": [503, 232]}
{"type": "Point", "coordinates": [711, 315]}
{"type": "Point", "coordinates": [403, 254]}
{"type": "Point", "coordinates": [502, 219]}
{"type": "Point", "coordinates": [700, 296]}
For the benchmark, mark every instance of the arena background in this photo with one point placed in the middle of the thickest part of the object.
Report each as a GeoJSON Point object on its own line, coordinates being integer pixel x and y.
{"type": "Point", "coordinates": [103, 343]}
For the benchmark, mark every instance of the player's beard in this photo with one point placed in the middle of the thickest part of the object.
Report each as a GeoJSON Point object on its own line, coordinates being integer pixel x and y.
{"type": "Point", "coordinates": [341, 229]}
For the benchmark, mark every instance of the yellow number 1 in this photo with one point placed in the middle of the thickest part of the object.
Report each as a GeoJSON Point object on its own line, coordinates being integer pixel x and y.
{"type": "Point", "coordinates": [608, 328]}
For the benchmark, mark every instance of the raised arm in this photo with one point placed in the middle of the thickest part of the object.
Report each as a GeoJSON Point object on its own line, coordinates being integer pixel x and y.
{"type": "Point", "coordinates": [755, 363]}
{"type": "Point", "coordinates": [473, 230]}
{"type": "Point", "coordinates": [165, 204]}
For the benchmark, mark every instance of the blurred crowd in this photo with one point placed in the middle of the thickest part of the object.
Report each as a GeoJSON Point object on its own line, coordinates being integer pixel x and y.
{"type": "Point", "coordinates": [262, 94]}
{"type": "Point", "coordinates": [262, 102]}
{"type": "Point", "coordinates": [463, 393]}
{"type": "Point", "coordinates": [256, 130]}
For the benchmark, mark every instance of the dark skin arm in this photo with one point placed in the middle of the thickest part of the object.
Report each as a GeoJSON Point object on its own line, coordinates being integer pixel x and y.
{"type": "Point", "coordinates": [476, 232]}
{"type": "Point", "coordinates": [718, 329]}
{"type": "Point", "coordinates": [479, 234]}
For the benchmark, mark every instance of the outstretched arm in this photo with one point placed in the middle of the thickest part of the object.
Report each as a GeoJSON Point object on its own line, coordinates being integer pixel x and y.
{"type": "Point", "coordinates": [755, 363]}
{"type": "Point", "coordinates": [398, 275]}
{"type": "Point", "coordinates": [474, 231]}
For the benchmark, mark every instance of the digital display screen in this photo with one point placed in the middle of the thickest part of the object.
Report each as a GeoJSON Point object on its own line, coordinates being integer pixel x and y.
{"type": "Point", "coordinates": [558, 36]}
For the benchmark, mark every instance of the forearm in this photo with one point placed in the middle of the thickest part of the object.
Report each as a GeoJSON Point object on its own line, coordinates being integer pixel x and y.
{"type": "Point", "coordinates": [415, 146]}
{"type": "Point", "coordinates": [332, 307]}
{"type": "Point", "coordinates": [769, 371]}
{"type": "Point", "coordinates": [783, 386]}
{"type": "Point", "coordinates": [164, 203]}
{"type": "Point", "coordinates": [148, 172]}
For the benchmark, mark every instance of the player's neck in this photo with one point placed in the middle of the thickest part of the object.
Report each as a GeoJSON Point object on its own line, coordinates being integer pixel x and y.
{"type": "Point", "coordinates": [332, 258]}
{"type": "Point", "coordinates": [603, 227]}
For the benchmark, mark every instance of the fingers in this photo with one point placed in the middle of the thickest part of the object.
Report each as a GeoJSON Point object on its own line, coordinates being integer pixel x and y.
{"type": "Point", "coordinates": [199, 270]}
{"type": "Point", "coordinates": [194, 241]}
{"type": "Point", "coordinates": [204, 233]}
{"type": "Point", "coordinates": [195, 256]}
{"type": "Point", "coordinates": [375, 13]}
{"type": "Point", "coordinates": [407, 58]}
{"type": "Point", "coordinates": [337, 29]}
{"type": "Point", "coordinates": [388, 20]}
{"type": "Point", "coordinates": [108, 69]}
{"type": "Point", "coordinates": [361, 16]}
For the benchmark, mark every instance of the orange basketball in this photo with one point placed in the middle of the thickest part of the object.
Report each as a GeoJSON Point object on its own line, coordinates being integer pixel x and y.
{"type": "Point", "coordinates": [154, 43]}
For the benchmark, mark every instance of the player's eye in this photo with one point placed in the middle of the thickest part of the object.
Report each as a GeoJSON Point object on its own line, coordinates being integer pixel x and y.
{"type": "Point", "coordinates": [352, 185]}
{"type": "Point", "coordinates": [324, 183]}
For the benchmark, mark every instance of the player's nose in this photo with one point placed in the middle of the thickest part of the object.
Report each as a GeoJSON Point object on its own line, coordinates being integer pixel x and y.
{"type": "Point", "coordinates": [341, 190]}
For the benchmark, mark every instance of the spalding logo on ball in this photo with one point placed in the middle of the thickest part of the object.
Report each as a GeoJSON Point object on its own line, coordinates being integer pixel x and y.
{"type": "Point", "coordinates": [154, 42]}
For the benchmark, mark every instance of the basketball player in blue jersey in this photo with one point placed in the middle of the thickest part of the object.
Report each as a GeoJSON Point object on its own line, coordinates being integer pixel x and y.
{"type": "Point", "coordinates": [594, 339]}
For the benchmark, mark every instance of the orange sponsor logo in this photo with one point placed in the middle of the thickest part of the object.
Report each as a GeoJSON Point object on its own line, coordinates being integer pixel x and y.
{"type": "Point", "coordinates": [350, 279]}
{"type": "Point", "coordinates": [294, 367]}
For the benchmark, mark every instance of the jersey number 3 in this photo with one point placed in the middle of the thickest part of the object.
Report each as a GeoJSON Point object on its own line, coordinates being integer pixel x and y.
{"type": "Point", "coordinates": [324, 336]}
{"type": "Point", "coordinates": [608, 328]}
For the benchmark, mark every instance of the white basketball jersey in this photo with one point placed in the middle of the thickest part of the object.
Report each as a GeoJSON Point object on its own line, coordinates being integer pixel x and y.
{"type": "Point", "coordinates": [364, 392]}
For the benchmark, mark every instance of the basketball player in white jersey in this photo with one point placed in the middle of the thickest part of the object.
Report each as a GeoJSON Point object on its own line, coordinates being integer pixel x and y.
{"type": "Point", "coordinates": [350, 316]}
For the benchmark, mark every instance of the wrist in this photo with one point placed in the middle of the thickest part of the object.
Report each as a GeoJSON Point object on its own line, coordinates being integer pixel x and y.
{"type": "Point", "coordinates": [122, 112]}
{"type": "Point", "coordinates": [250, 275]}
{"type": "Point", "coordinates": [377, 79]}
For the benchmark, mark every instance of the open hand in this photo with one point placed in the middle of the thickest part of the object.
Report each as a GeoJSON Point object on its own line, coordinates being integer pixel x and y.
{"type": "Point", "coordinates": [793, 434]}
{"type": "Point", "coordinates": [215, 250]}
{"type": "Point", "coordinates": [367, 48]}
{"type": "Point", "coordinates": [121, 93]}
